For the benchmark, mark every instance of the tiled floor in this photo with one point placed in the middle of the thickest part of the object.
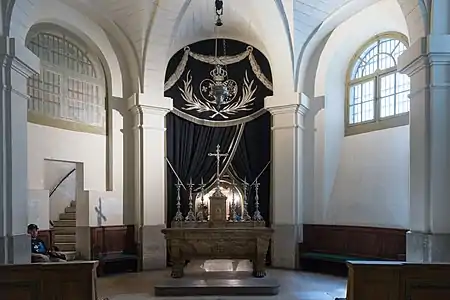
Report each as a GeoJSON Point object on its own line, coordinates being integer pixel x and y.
{"type": "Point", "coordinates": [293, 285]}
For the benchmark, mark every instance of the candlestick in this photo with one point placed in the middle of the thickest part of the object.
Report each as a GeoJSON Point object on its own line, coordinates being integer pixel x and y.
{"type": "Point", "coordinates": [233, 205]}
{"type": "Point", "coordinates": [200, 215]}
{"type": "Point", "coordinates": [190, 216]}
{"type": "Point", "coordinates": [245, 215]}
{"type": "Point", "coordinates": [178, 216]}
{"type": "Point", "coordinates": [257, 215]}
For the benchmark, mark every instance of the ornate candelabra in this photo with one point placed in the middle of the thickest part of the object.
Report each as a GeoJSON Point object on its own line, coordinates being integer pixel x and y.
{"type": "Point", "coordinates": [257, 215]}
{"type": "Point", "coordinates": [245, 215]}
{"type": "Point", "coordinates": [233, 215]}
{"type": "Point", "coordinates": [178, 216]}
{"type": "Point", "coordinates": [190, 216]}
{"type": "Point", "coordinates": [200, 214]}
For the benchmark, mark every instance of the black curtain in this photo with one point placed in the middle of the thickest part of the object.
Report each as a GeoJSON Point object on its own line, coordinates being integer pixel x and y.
{"type": "Point", "coordinates": [188, 145]}
{"type": "Point", "coordinates": [252, 155]}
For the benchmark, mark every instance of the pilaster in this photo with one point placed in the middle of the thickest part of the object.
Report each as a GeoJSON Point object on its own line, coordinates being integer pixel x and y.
{"type": "Point", "coordinates": [287, 177]}
{"type": "Point", "coordinates": [150, 178]}
{"type": "Point", "coordinates": [427, 62]}
{"type": "Point", "coordinates": [14, 241]}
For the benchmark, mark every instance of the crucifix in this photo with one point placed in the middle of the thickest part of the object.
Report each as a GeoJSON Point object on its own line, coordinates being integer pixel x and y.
{"type": "Point", "coordinates": [218, 155]}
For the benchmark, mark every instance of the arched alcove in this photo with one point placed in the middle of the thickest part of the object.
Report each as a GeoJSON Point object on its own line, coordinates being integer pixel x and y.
{"type": "Point", "coordinates": [368, 159]}
{"type": "Point", "coordinates": [240, 125]}
{"type": "Point", "coordinates": [70, 91]}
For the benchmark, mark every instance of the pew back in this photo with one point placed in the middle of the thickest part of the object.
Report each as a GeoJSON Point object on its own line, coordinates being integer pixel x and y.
{"type": "Point", "coordinates": [370, 280]}
{"type": "Point", "coordinates": [68, 281]}
{"type": "Point", "coordinates": [355, 241]}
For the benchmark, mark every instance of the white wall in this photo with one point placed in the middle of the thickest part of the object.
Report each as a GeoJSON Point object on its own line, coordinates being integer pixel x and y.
{"type": "Point", "coordinates": [54, 172]}
{"type": "Point", "coordinates": [38, 208]}
{"type": "Point", "coordinates": [361, 179]}
{"type": "Point", "coordinates": [47, 143]}
{"type": "Point", "coordinates": [99, 209]}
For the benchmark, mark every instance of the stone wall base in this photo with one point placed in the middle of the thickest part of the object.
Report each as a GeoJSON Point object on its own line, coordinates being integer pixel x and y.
{"type": "Point", "coordinates": [427, 247]}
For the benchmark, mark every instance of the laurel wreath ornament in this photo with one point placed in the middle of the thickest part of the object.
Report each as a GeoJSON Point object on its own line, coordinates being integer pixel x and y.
{"type": "Point", "coordinates": [243, 103]}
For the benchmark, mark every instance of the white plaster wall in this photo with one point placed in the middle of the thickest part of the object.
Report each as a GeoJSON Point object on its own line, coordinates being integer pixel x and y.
{"type": "Point", "coordinates": [38, 208]}
{"type": "Point", "coordinates": [362, 179]}
{"type": "Point", "coordinates": [54, 172]}
{"type": "Point", "coordinates": [57, 144]}
{"type": "Point", "coordinates": [96, 208]}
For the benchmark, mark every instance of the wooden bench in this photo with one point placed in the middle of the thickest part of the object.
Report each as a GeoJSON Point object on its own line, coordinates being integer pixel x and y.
{"type": "Point", "coordinates": [327, 248]}
{"type": "Point", "coordinates": [115, 249]}
{"type": "Point", "coordinates": [385, 280]}
{"type": "Point", "coordinates": [48, 236]}
{"type": "Point", "coordinates": [68, 281]}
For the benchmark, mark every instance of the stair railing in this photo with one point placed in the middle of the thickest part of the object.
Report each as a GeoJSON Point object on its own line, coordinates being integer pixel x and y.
{"type": "Point", "coordinates": [53, 190]}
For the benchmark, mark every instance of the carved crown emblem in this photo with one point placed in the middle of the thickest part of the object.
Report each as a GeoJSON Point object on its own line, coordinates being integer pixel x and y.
{"type": "Point", "coordinates": [219, 74]}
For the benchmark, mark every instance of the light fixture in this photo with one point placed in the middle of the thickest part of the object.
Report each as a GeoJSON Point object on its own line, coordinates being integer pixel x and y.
{"type": "Point", "coordinates": [219, 12]}
{"type": "Point", "coordinates": [219, 74]}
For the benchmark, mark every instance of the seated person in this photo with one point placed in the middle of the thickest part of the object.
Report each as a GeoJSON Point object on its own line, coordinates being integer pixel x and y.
{"type": "Point", "coordinates": [39, 251]}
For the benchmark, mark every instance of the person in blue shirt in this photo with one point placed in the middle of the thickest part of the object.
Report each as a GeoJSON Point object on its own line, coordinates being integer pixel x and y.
{"type": "Point", "coordinates": [39, 251]}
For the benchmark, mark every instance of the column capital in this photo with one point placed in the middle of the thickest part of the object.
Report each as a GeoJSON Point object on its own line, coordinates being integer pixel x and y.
{"type": "Point", "coordinates": [149, 115]}
{"type": "Point", "coordinates": [427, 51]}
{"type": "Point", "coordinates": [298, 104]}
{"type": "Point", "coordinates": [137, 106]}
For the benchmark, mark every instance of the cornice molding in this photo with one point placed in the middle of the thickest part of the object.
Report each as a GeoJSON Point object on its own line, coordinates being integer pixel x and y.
{"type": "Point", "coordinates": [9, 58]}
{"type": "Point", "coordinates": [426, 52]}
{"type": "Point", "coordinates": [288, 109]}
{"type": "Point", "coordinates": [286, 104]}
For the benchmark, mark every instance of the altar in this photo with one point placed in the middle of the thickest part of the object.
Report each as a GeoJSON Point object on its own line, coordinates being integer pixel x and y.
{"type": "Point", "coordinates": [217, 231]}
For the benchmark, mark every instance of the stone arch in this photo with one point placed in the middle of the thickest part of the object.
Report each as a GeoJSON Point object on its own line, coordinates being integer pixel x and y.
{"type": "Point", "coordinates": [28, 13]}
{"type": "Point", "coordinates": [417, 15]}
{"type": "Point", "coordinates": [414, 11]}
{"type": "Point", "coordinates": [277, 45]}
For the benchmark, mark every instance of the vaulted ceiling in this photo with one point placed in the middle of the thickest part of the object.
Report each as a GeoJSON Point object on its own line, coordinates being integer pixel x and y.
{"type": "Point", "coordinates": [154, 29]}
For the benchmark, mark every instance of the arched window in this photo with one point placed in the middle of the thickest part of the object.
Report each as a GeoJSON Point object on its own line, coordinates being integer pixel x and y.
{"type": "Point", "coordinates": [69, 92]}
{"type": "Point", "coordinates": [377, 95]}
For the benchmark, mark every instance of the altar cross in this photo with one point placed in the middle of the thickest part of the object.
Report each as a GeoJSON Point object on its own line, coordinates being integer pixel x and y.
{"type": "Point", "coordinates": [218, 155]}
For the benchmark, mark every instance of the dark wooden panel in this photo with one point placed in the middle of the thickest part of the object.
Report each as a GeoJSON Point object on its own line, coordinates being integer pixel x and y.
{"type": "Point", "coordinates": [47, 236]}
{"type": "Point", "coordinates": [68, 281]}
{"type": "Point", "coordinates": [365, 242]}
{"type": "Point", "coordinates": [112, 239]}
{"type": "Point", "coordinates": [397, 281]}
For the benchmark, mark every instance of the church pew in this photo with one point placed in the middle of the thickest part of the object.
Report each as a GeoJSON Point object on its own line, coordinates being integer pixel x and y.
{"type": "Point", "coordinates": [327, 248]}
{"type": "Point", "coordinates": [48, 236]}
{"type": "Point", "coordinates": [68, 281]}
{"type": "Point", "coordinates": [115, 249]}
{"type": "Point", "coordinates": [385, 280]}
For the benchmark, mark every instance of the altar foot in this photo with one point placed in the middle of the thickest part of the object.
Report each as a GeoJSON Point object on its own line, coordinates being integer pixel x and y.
{"type": "Point", "coordinates": [259, 274]}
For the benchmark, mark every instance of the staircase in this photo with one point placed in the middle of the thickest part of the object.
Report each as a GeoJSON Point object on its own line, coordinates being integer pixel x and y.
{"type": "Point", "coordinates": [65, 231]}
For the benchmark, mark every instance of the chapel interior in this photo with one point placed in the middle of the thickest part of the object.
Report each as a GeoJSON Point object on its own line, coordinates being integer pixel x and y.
{"type": "Point", "coordinates": [225, 149]}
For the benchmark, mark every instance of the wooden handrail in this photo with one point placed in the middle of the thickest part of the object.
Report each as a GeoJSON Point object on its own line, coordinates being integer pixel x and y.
{"type": "Point", "coordinates": [57, 186]}
{"type": "Point", "coordinates": [60, 182]}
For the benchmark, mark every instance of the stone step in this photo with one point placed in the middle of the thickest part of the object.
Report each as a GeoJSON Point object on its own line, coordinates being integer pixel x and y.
{"type": "Point", "coordinates": [63, 247]}
{"type": "Point", "coordinates": [65, 238]}
{"type": "Point", "coordinates": [70, 209]}
{"type": "Point", "coordinates": [73, 203]}
{"type": "Point", "coordinates": [71, 230]}
{"type": "Point", "coordinates": [70, 255]}
{"type": "Point", "coordinates": [65, 223]}
{"type": "Point", "coordinates": [68, 216]}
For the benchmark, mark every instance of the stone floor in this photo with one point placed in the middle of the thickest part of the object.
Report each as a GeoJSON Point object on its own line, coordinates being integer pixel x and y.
{"type": "Point", "coordinates": [293, 285]}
